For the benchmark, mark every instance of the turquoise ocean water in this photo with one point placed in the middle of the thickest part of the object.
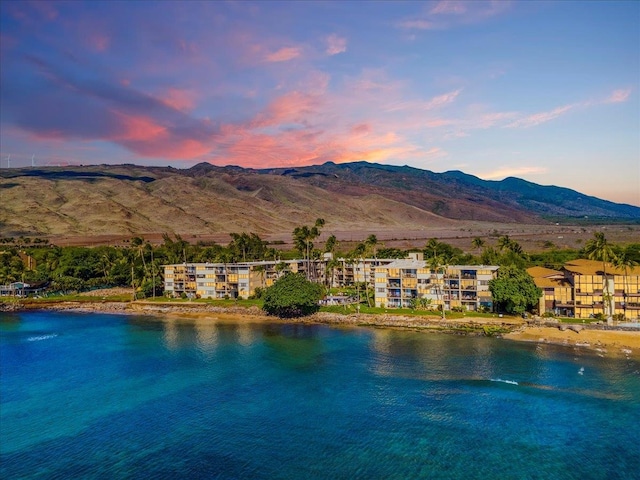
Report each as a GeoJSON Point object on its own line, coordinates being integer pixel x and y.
{"type": "Point", "coordinates": [112, 396]}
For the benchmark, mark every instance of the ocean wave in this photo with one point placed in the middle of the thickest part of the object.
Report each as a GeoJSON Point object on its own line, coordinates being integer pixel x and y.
{"type": "Point", "coordinates": [39, 338]}
{"type": "Point", "coordinates": [510, 382]}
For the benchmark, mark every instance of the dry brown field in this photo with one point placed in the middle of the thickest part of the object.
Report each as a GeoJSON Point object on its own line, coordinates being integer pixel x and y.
{"type": "Point", "coordinates": [532, 238]}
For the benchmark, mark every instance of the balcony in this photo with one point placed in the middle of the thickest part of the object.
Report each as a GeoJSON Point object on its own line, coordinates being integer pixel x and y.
{"type": "Point", "coordinates": [568, 303]}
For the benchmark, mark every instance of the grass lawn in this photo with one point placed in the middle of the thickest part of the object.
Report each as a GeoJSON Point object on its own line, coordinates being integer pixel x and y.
{"type": "Point", "coordinates": [207, 301]}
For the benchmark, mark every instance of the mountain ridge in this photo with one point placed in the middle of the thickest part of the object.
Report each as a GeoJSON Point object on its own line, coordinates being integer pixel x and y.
{"type": "Point", "coordinates": [130, 199]}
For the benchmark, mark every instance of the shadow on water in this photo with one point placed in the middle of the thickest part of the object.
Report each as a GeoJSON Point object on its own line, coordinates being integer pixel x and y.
{"type": "Point", "coordinates": [293, 346]}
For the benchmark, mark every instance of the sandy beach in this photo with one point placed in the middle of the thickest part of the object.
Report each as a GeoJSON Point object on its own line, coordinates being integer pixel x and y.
{"type": "Point", "coordinates": [603, 342]}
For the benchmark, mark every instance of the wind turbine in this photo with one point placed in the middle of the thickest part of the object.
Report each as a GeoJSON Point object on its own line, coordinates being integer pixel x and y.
{"type": "Point", "coordinates": [33, 164]}
{"type": "Point", "coordinates": [9, 161]}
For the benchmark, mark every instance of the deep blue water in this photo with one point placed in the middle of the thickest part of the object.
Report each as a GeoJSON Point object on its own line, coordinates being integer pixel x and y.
{"type": "Point", "coordinates": [111, 396]}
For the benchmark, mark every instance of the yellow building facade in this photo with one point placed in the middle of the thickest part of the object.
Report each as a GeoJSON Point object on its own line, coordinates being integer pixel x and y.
{"type": "Point", "coordinates": [585, 288]}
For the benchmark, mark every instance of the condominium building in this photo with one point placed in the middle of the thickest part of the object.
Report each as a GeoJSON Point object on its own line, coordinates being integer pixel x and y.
{"type": "Point", "coordinates": [557, 291]}
{"type": "Point", "coordinates": [402, 283]}
{"type": "Point", "coordinates": [585, 288]}
{"type": "Point", "coordinates": [227, 280]}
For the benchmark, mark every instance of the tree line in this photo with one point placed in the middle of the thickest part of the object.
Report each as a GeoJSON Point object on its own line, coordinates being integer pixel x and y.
{"type": "Point", "coordinates": [139, 265]}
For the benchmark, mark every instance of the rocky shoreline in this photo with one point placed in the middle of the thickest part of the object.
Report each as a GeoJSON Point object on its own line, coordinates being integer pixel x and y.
{"type": "Point", "coordinates": [600, 339]}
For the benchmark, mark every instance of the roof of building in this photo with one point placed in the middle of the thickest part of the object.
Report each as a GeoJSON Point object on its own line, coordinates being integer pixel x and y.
{"type": "Point", "coordinates": [405, 263]}
{"type": "Point", "coordinates": [545, 282]}
{"type": "Point", "coordinates": [583, 266]}
{"type": "Point", "coordinates": [408, 263]}
{"type": "Point", "coordinates": [540, 272]}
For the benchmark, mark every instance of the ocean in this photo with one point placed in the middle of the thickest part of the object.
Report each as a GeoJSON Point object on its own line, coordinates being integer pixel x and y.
{"type": "Point", "coordinates": [116, 396]}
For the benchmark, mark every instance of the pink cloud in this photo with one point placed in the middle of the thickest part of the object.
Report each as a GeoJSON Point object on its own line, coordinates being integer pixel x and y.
{"type": "Point", "coordinates": [361, 129]}
{"type": "Point", "coordinates": [183, 100]}
{"type": "Point", "coordinates": [138, 129]}
{"type": "Point", "coordinates": [284, 54]}
{"type": "Point", "coordinates": [453, 13]}
{"type": "Point", "coordinates": [99, 43]}
{"type": "Point", "coordinates": [539, 118]}
{"type": "Point", "coordinates": [441, 100]}
{"type": "Point", "coordinates": [619, 96]}
{"type": "Point", "coordinates": [335, 44]}
{"type": "Point", "coordinates": [292, 107]}
{"type": "Point", "coordinates": [449, 7]}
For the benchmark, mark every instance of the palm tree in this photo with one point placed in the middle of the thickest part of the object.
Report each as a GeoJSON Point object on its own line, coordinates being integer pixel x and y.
{"type": "Point", "coordinates": [139, 245]}
{"type": "Point", "coordinates": [432, 246]}
{"type": "Point", "coordinates": [504, 242]}
{"type": "Point", "coordinates": [624, 262]}
{"type": "Point", "coordinates": [331, 271]}
{"type": "Point", "coordinates": [477, 243]}
{"type": "Point", "coordinates": [330, 245]}
{"type": "Point", "coordinates": [371, 242]}
{"type": "Point", "coordinates": [599, 249]}
{"type": "Point", "coordinates": [303, 240]}
{"type": "Point", "coordinates": [436, 263]}
{"type": "Point", "coordinates": [261, 269]}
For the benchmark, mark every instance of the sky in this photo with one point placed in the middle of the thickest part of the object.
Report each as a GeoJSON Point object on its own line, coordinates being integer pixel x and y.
{"type": "Point", "coordinates": [544, 91]}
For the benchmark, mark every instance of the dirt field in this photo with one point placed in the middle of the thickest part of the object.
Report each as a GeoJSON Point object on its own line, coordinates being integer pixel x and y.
{"type": "Point", "coordinates": [532, 238]}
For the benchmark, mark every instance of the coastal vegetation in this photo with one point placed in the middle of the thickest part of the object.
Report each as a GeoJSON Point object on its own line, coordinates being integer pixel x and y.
{"type": "Point", "coordinates": [138, 265]}
{"type": "Point", "coordinates": [513, 290]}
{"type": "Point", "coordinates": [292, 296]}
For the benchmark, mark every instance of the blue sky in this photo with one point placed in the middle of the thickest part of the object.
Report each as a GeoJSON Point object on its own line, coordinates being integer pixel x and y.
{"type": "Point", "coordinates": [545, 91]}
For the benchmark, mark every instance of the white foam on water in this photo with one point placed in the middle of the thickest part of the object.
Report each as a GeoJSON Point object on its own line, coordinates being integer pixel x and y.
{"type": "Point", "coordinates": [39, 338]}
{"type": "Point", "coordinates": [510, 382]}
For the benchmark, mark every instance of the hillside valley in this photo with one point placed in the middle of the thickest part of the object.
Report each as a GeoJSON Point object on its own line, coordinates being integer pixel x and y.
{"type": "Point", "coordinates": [206, 201]}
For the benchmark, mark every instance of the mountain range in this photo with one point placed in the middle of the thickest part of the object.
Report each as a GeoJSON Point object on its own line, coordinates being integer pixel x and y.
{"type": "Point", "coordinates": [205, 199]}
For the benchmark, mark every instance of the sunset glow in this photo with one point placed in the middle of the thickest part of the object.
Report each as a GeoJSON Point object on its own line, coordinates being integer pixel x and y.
{"type": "Point", "coordinates": [546, 91]}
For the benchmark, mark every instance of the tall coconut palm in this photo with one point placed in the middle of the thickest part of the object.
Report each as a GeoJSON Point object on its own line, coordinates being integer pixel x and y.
{"type": "Point", "coordinates": [303, 240]}
{"type": "Point", "coordinates": [436, 263]}
{"type": "Point", "coordinates": [372, 242]}
{"type": "Point", "coordinates": [261, 269]}
{"type": "Point", "coordinates": [477, 243]}
{"type": "Point", "coordinates": [504, 242]}
{"type": "Point", "coordinates": [598, 248]}
{"type": "Point", "coordinates": [431, 248]}
{"type": "Point", "coordinates": [330, 245]}
{"type": "Point", "coordinates": [626, 263]}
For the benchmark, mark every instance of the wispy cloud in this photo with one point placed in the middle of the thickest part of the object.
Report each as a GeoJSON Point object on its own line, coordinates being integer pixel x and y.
{"type": "Point", "coordinates": [418, 24]}
{"type": "Point", "coordinates": [541, 117]}
{"type": "Point", "coordinates": [335, 44]}
{"type": "Point", "coordinates": [453, 13]}
{"type": "Point", "coordinates": [180, 99]}
{"type": "Point", "coordinates": [422, 106]}
{"type": "Point", "coordinates": [512, 171]}
{"type": "Point", "coordinates": [449, 7]}
{"type": "Point", "coordinates": [619, 96]}
{"type": "Point", "coordinates": [284, 54]}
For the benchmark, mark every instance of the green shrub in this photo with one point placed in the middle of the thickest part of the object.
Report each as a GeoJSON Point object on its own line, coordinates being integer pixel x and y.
{"type": "Point", "coordinates": [292, 296]}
